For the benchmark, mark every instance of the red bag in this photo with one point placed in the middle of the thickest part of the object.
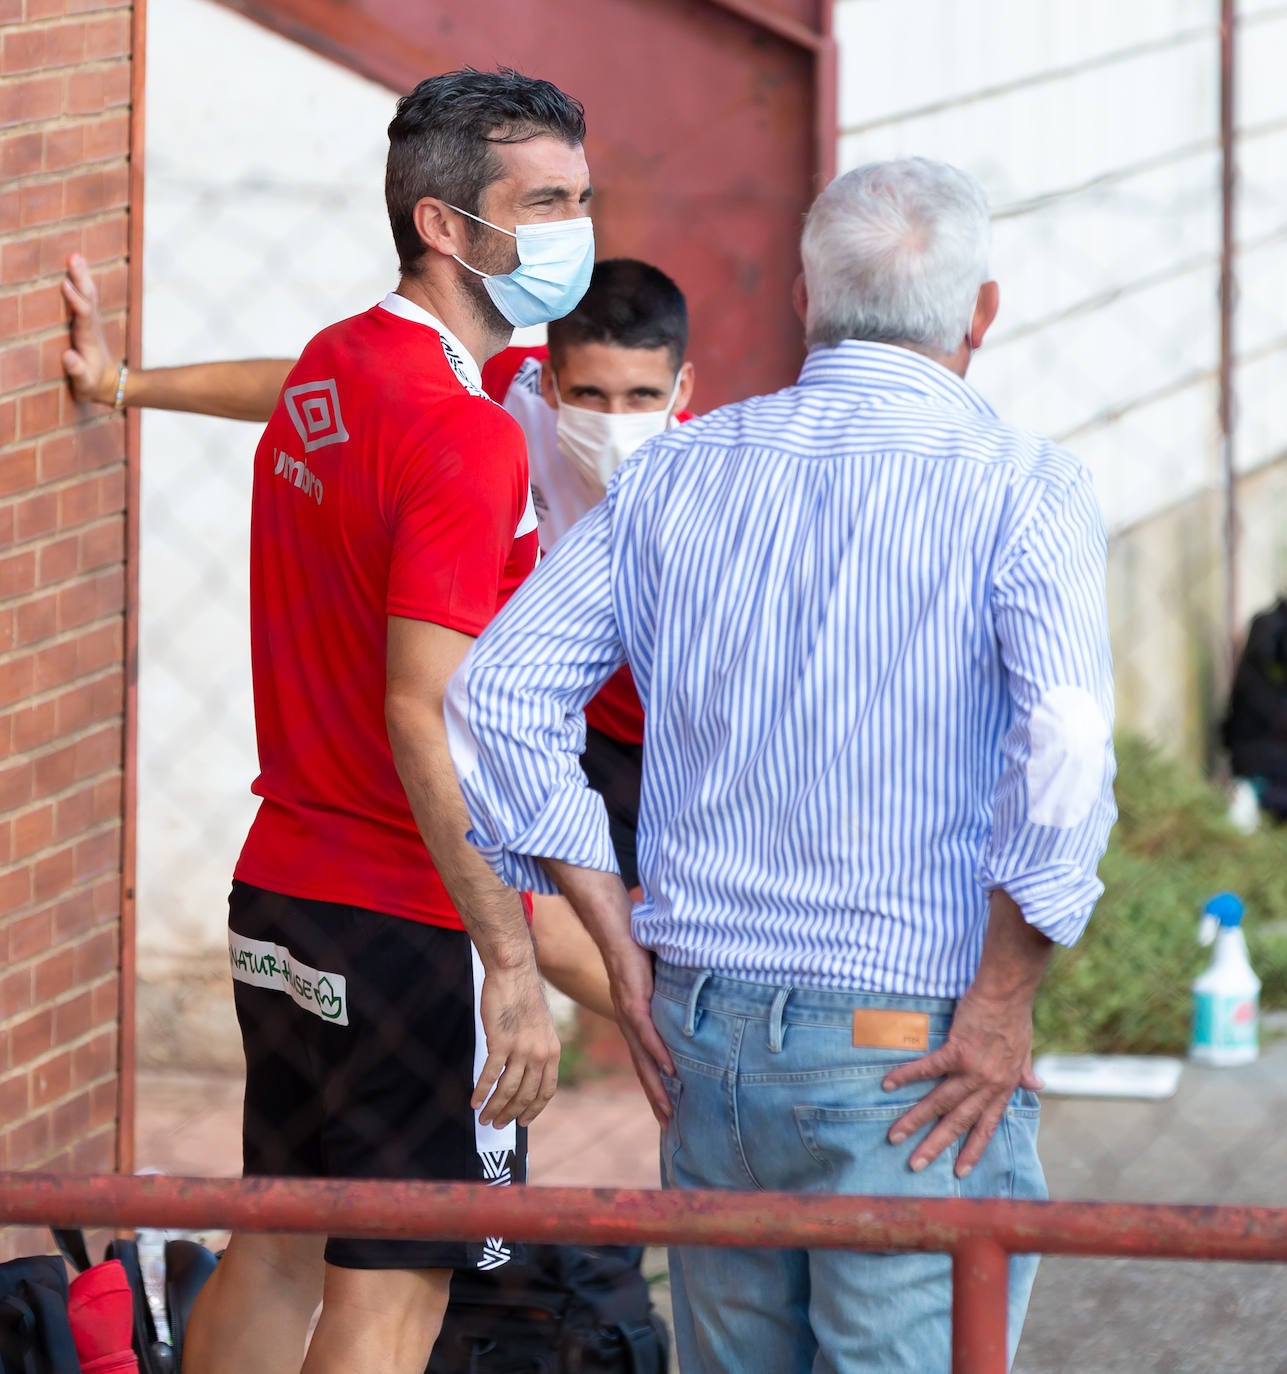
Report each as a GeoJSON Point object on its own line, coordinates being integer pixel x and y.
{"type": "Point", "coordinates": [100, 1308]}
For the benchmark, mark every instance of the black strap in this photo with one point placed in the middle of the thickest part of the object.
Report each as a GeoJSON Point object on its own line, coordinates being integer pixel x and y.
{"type": "Point", "coordinates": [70, 1241]}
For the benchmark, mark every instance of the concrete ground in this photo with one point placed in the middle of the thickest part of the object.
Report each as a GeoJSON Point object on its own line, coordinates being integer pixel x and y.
{"type": "Point", "coordinates": [1220, 1139]}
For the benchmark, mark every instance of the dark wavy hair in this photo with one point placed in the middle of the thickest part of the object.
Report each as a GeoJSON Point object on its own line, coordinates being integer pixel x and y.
{"type": "Point", "coordinates": [441, 141]}
{"type": "Point", "coordinates": [628, 303]}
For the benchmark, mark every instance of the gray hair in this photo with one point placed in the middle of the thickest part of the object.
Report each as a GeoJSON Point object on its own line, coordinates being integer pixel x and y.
{"type": "Point", "coordinates": [895, 252]}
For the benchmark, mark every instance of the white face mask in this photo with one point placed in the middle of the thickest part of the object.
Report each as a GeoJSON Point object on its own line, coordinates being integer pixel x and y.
{"type": "Point", "coordinates": [596, 443]}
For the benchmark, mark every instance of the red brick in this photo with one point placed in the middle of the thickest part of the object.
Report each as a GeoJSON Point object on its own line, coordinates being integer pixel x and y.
{"type": "Point", "coordinates": [97, 649]}
{"type": "Point", "coordinates": [17, 470]}
{"type": "Point", "coordinates": [21, 154]}
{"type": "Point", "coordinates": [17, 676]}
{"type": "Point", "coordinates": [60, 559]}
{"type": "Point", "coordinates": [106, 239]}
{"type": "Point", "coordinates": [8, 421]}
{"type": "Point", "coordinates": [107, 898]}
{"type": "Point", "coordinates": [56, 771]}
{"type": "Point", "coordinates": [93, 92]}
{"type": "Point", "coordinates": [29, 1143]}
{"type": "Point", "coordinates": [29, 936]}
{"type": "Point", "coordinates": [41, 203]}
{"type": "Point", "coordinates": [51, 1079]}
{"type": "Point", "coordinates": [75, 814]}
{"type": "Point", "coordinates": [107, 138]}
{"type": "Point", "coordinates": [109, 591]}
{"type": "Point", "coordinates": [20, 260]}
{"type": "Point", "coordinates": [37, 619]}
{"type": "Point", "coordinates": [11, 11]}
{"type": "Point", "coordinates": [15, 890]}
{"type": "Point", "coordinates": [32, 831]}
{"type": "Point", "coordinates": [32, 1037]}
{"type": "Point", "coordinates": [30, 100]}
{"type": "Point", "coordinates": [10, 209]}
{"type": "Point", "coordinates": [8, 629]}
{"type": "Point", "coordinates": [53, 875]}
{"type": "Point", "coordinates": [16, 785]}
{"type": "Point", "coordinates": [65, 45]}
{"type": "Point", "coordinates": [58, 457]}
{"type": "Point", "coordinates": [6, 853]}
{"type": "Point", "coordinates": [104, 1099]}
{"type": "Point", "coordinates": [107, 37]}
{"type": "Point", "coordinates": [77, 605]}
{"type": "Point", "coordinates": [18, 573]}
{"type": "Point", "coordinates": [111, 491]}
{"type": "Point", "coordinates": [19, 366]}
{"type": "Point", "coordinates": [94, 191]}
{"type": "Point", "coordinates": [107, 794]}
{"type": "Point", "coordinates": [39, 411]}
{"type": "Point", "coordinates": [113, 282]}
{"type": "Point", "coordinates": [35, 514]}
{"type": "Point", "coordinates": [103, 544]}
{"type": "Point", "coordinates": [72, 1020]}
{"type": "Point", "coordinates": [55, 248]}
{"type": "Point", "coordinates": [96, 1154]}
{"type": "Point", "coordinates": [57, 664]}
{"type": "Point", "coordinates": [107, 999]}
{"type": "Point", "coordinates": [96, 958]}
{"type": "Point", "coordinates": [99, 854]}
{"type": "Point", "coordinates": [45, 9]}
{"type": "Point", "coordinates": [15, 1099]}
{"type": "Point", "coordinates": [51, 358]}
{"type": "Point", "coordinates": [41, 307]}
{"type": "Point", "coordinates": [71, 1118]}
{"type": "Point", "coordinates": [101, 444]}
{"type": "Point", "coordinates": [23, 51]}
{"type": "Point", "coordinates": [73, 915]}
{"type": "Point", "coordinates": [34, 726]}
{"type": "Point", "coordinates": [99, 751]}
{"type": "Point", "coordinates": [78, 503]}
{"type": "Point", "coordinates": [96, 1058]}
{"type": "Point", "coordinates": [10, 316]}
{"type": "Point", "coordinates": [75, 712]}
{"type": "Point", "coordinates": [109, 705]}
{"type": "Point", "coordinates": [55, 975]}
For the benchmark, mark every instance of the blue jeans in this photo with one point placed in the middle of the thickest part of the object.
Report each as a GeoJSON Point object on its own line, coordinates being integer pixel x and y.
{"type": "Point", "coordinates": [770, 1093]}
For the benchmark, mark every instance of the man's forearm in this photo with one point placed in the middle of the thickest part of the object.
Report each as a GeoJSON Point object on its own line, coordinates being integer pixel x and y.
{"type": "Point", "coordinates": [1015, 954]}
{"type": "Point", "coordinates": [244, 390]}
{"type": "Point", "coordinates": [491, 912]}
{"type": "Point", "coordinates": [600, 900]}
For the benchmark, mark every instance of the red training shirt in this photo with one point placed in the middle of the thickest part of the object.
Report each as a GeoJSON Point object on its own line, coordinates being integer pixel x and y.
{"type": "Point", "coordinates": [386, 483]}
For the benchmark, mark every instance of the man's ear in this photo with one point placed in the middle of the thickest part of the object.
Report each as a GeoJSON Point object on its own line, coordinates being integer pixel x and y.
{"type": "Point", "coordinates": [441, 230]}
{"type": "Point", "coordinates": [800, 298]}
{"type": "Point", "coordinates": [547, 385]}
{"type": "Point", "coordinates": [687, 376]}
{"type": "Point", "coordinates": [986, 306]}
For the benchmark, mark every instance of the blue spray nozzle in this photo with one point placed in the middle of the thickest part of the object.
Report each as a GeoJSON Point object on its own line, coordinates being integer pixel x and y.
{"type": "Point", "coordinates": [1226, 908]}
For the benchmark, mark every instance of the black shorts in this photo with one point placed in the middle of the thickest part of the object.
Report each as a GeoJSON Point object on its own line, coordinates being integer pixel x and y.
{"type": "Point", "coordinates": [365, 1067]}
{"type": "Point", "coordinates": [615, 771]}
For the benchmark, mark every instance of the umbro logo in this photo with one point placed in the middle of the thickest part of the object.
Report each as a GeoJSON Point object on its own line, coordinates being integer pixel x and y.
{"type": "Point", "coordinates": [495, 1167]}
{"type": "Point", "coordinates": [495, 1253]}
{"type": "Point", "coordinates": [314, 409]}
{"type": "Point", "coordinates": [296, 472]}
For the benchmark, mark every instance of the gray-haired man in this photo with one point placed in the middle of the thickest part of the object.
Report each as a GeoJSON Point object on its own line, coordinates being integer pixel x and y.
{"type": "Point", "coordinates": [867, 623]}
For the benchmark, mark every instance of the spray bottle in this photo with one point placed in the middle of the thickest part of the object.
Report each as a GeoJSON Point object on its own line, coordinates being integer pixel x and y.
{"type": "Point", "coordinates": [1226, 998]}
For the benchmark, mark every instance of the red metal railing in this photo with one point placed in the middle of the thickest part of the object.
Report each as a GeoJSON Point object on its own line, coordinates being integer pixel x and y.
{"type": "Point", "coordinates": [980, 1236]}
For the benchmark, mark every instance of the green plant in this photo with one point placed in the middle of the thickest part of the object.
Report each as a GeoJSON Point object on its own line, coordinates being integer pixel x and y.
{"type": "Point", "coordinates": [1124, 987]}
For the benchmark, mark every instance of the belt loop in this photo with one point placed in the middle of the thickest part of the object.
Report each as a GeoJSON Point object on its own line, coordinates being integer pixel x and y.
{"type": "Point", "coordinates": [775, 1019]}
{"type": "Point", "coordinates": [690, 1016]}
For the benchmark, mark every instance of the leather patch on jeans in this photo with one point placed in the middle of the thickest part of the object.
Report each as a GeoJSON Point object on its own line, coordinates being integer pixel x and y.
{"type": "Point", "coordinates": [880, 1028]}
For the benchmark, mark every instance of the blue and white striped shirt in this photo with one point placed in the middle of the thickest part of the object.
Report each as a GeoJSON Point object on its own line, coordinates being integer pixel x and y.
{"type": "Point", "coordinates": [867, 623]}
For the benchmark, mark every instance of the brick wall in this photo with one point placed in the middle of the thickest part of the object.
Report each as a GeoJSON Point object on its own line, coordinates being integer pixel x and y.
{"type": "Point", "coordinates": [65, 90]}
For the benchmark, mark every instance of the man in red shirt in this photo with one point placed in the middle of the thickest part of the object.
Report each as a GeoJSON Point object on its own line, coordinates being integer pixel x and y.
{"type": "Point", "coordinates": [391, 1010]}
{"type": "Point", "coordinates": [613, 374]}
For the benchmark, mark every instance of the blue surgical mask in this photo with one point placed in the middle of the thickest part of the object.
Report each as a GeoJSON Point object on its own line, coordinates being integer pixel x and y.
{"type": "Point", "coordinates": [554, 265]}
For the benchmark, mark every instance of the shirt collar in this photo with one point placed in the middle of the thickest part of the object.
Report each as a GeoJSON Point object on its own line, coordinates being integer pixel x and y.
{"type": "Point", "coordinates": [886, 368]}
{"type": "Point", "coordinates": [461, 360]}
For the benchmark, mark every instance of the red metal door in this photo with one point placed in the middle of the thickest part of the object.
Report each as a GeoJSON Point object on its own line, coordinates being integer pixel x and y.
{"type": "Point", "coordinates": [710, 129]}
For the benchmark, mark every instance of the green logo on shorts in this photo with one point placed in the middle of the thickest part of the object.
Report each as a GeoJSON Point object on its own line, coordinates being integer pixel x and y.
{"type": "Point", "coordinates": [329, 1002]}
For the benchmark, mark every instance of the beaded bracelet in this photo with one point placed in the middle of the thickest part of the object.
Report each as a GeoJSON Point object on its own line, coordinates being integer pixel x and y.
{"type": "Point", "coordinates": [122, 373]}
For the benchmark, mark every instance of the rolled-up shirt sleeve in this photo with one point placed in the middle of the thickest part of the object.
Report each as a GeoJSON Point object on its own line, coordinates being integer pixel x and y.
{"type": "Point", "coordinates": [1053, 805]}
{"type": "Point", "coordinates": [515, 721]}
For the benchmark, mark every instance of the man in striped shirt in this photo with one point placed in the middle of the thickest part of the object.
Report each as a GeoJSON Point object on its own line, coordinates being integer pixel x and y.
{"type": "Point", "coordinates": [867, 623]}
